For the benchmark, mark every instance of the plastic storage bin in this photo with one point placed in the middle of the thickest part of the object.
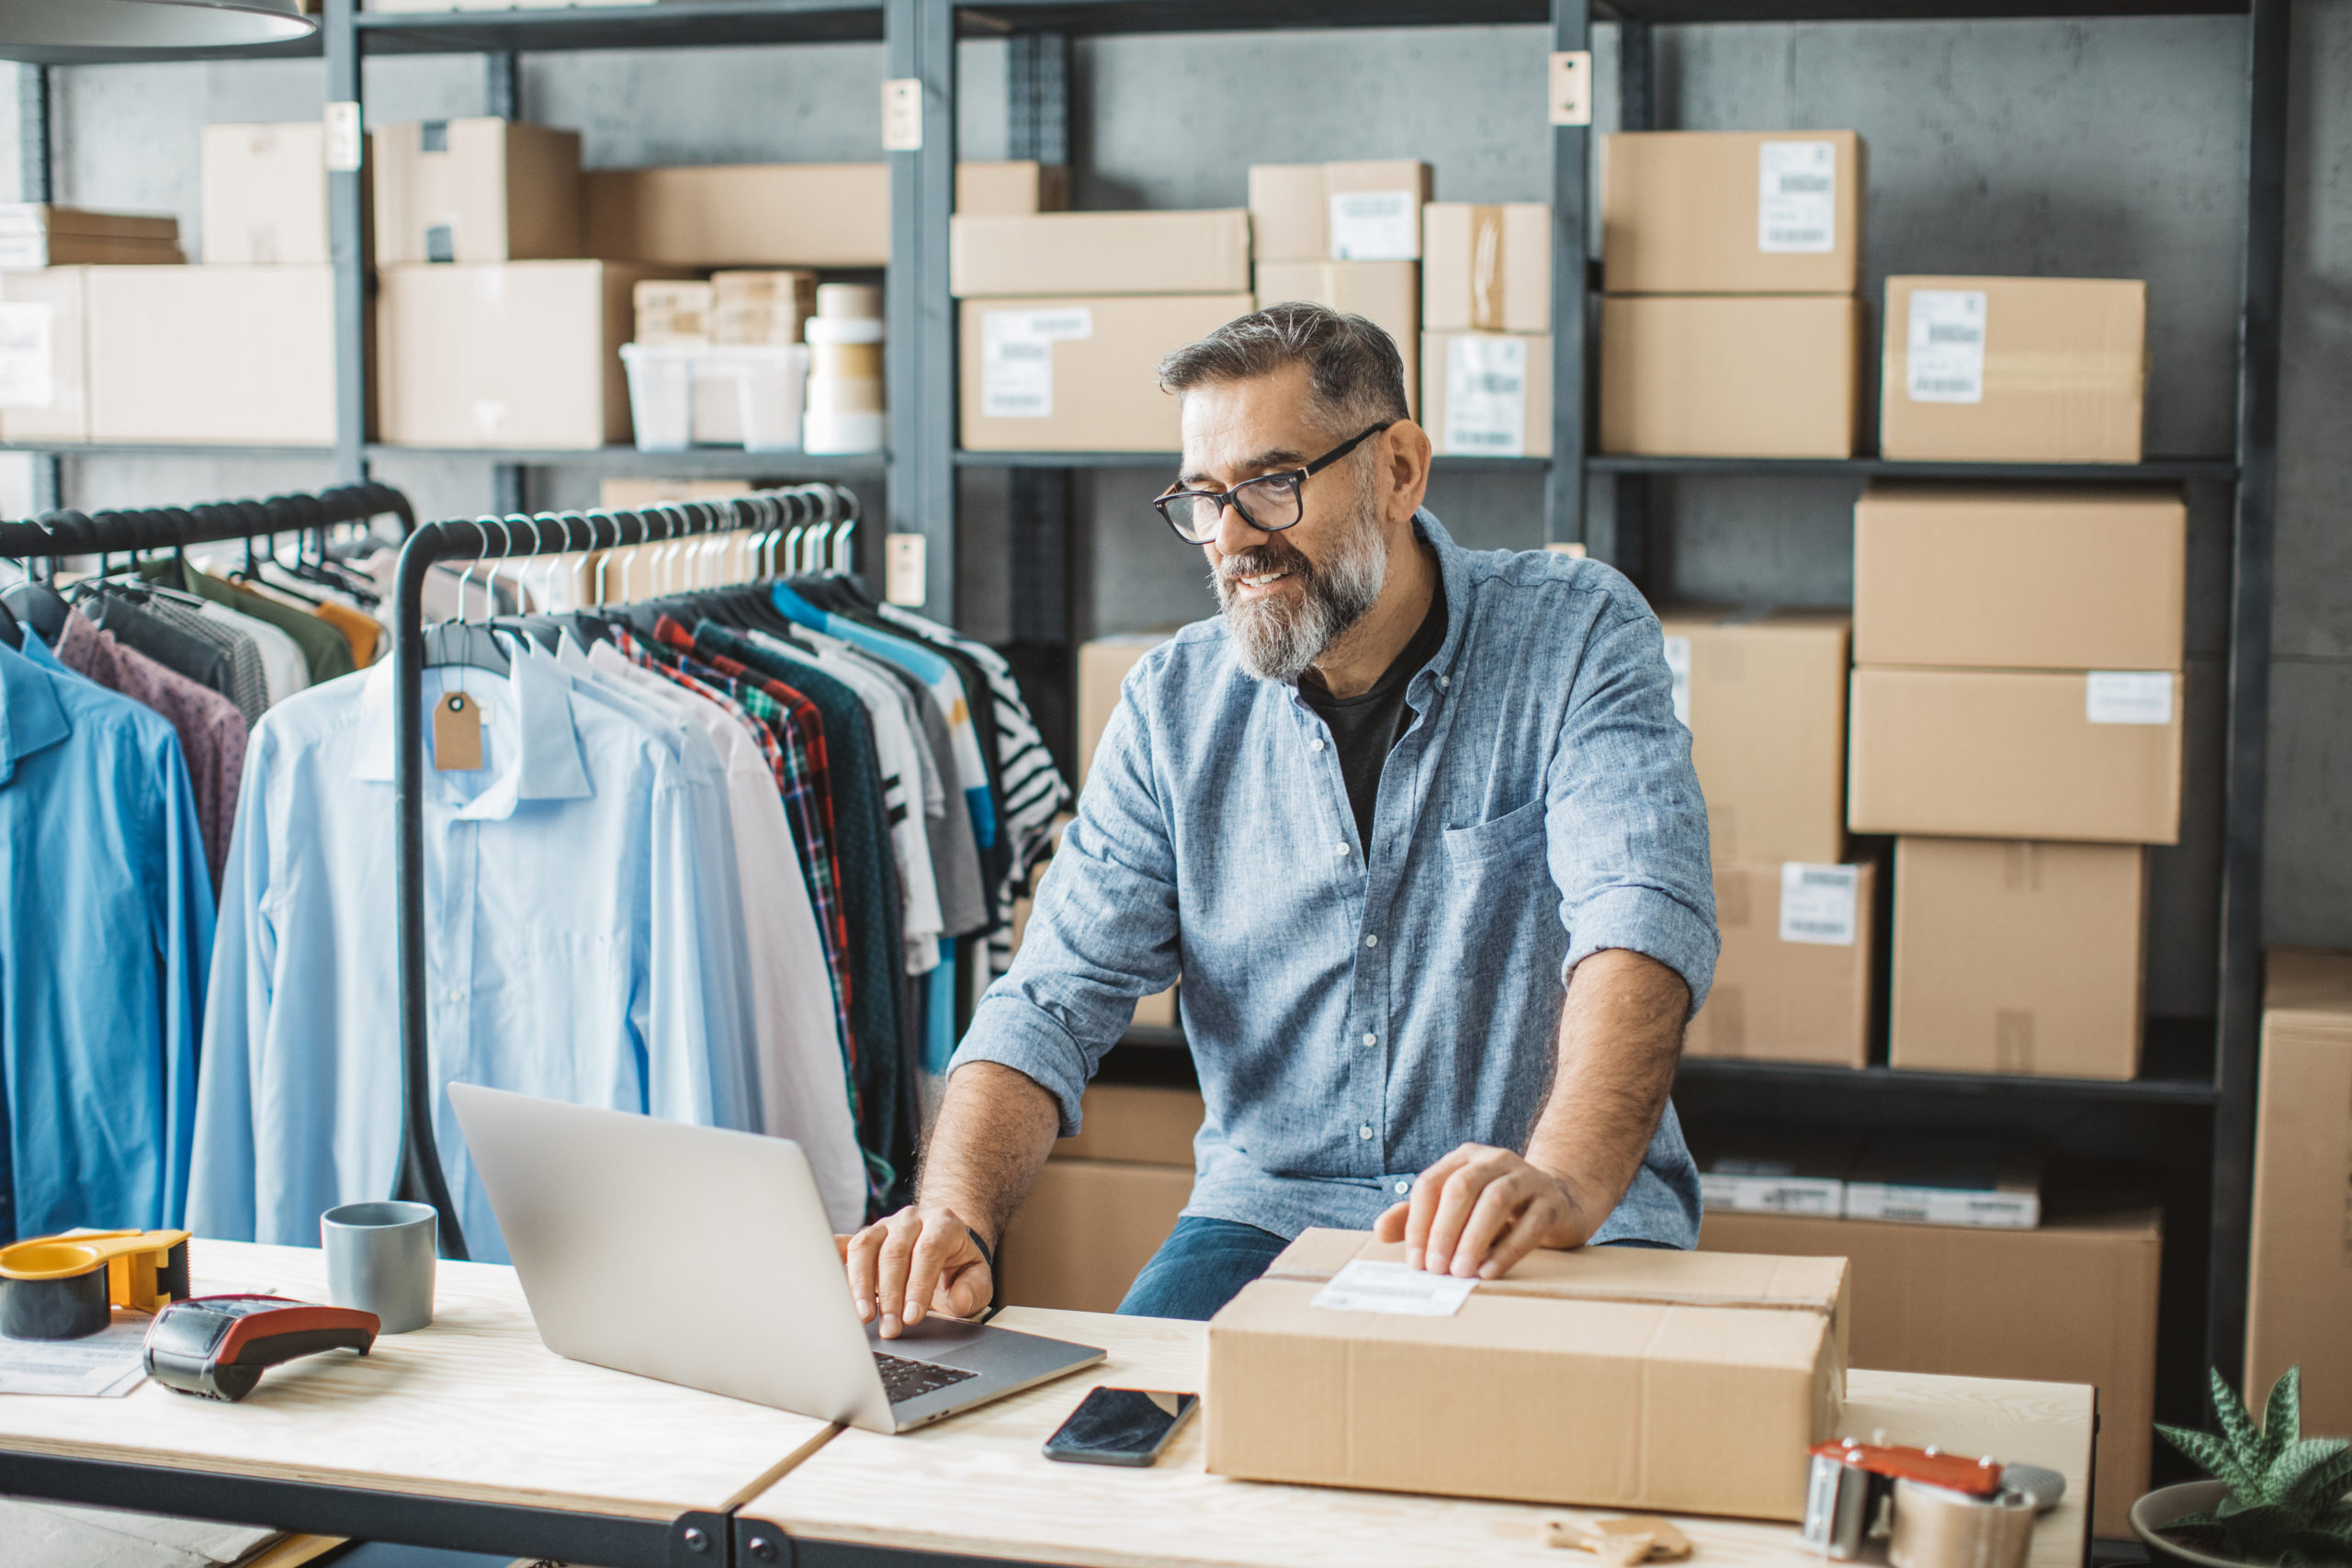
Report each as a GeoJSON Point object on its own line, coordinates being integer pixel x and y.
{"type": "Point", "coordinates": [683, 395]}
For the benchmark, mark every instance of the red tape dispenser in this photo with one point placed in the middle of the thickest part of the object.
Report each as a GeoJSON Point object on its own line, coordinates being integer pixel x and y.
{"type": "Point", "coordinates": [1934, 1509]}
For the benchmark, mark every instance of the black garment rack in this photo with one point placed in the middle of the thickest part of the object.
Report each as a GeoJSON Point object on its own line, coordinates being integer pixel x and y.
{"type": "Point", "coordinates": [56, 534]}
{"type": "Point", "coordinates": [516, 536]}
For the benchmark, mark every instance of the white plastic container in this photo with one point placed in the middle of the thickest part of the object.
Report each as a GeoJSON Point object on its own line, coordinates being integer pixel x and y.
{"type": "Point", "coordinates": [845, 408]}
{"type": "Point", "coordinates": [684, 395]}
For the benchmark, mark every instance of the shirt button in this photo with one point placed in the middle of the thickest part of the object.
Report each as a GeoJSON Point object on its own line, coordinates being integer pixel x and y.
{"type": "Point", "coordinates": [1339, 849]}
{"type": "Point", "coordinates": [1444, 680]}
{"type": "Point", "coordinates": [1316, 744]}
{"type": "Point", "coordinates": [1372, 942]}
{"type": "Point", "coordinates": [1403, 1188]}
{"type": "Point", "coordinates": [1372, 1039]}
{"type": "Point", "coordinates": [1364, 1131]}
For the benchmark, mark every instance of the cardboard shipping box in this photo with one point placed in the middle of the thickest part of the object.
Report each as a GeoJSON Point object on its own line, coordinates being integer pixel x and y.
{"type": "Point", "coordinates": [740, 215]}
{"type": "Point", "coordinates": [1730, 375]}
{"type": "Point", "coordinates": [1732, 212]}
{"type": "Point", "coordinates": [1792, 982]}
{"type": "Point", "coordinates": [1019, 185]}
{"type": "Point", "coordinates": [1135, 1124]}
{"type": "Point", "coordinates": [1936, 577]}
{"type": "Point", "coordinates": [1288, 221]}
{"type": "Point", "coordinates": [1086, 1230]}
{"type": "Point", "coordinates": [1692, 1382]}
{"type": "Point", "coordinates": [39, 234]}
{"type": "Point", "coordinates": [514, 355]}
{"type": "Point", "coordinates": [1764, 695]}
{"type": "Point", "coordinates": [44, 355]}
{"type": "Point", "coordinates": [2018, 956]}
{"type": "Point", "coordinates": [475, 190]}
{"type": "Point", "coordinates": [2016, 754]}
{"type": "Point", "coordinates": [1078, 374]}
{"type": "Point", "coordinates": [2071, 1302]}
{"type": "Point", "coordinates": [266, 194]}
{"type": "Point", "coordinates": [1487, 394]}
{"type": "Point", "coordinates": [1100, 252]}
{"type": "Point", "coordinates": [2300, 1294]}
{"type": "Point", "coordinates": [1351, 211]}
{"type": "Point", "coordinates": [1387, 294]}
{"type": "Point", "coordinates": [2014, 369]}
{"type": "Point", "coordinates": [1486, 269]}
{"type": "Point", "coordinates": [242, 356]}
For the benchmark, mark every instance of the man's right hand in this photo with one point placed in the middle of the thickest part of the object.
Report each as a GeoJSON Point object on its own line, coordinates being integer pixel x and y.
{"type": "Point", "coordinates": [918, 1260]}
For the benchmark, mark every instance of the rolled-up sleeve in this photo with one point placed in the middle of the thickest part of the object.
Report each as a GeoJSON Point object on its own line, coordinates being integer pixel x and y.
{"type": "Point", "coordinates": [1104, 932]}
{"type": "Point", "coordinates": [1625, 822]}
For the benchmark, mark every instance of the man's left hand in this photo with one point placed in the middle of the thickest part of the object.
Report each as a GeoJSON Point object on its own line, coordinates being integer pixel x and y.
{"type": "Point", "coordinates": [1477, 1212]}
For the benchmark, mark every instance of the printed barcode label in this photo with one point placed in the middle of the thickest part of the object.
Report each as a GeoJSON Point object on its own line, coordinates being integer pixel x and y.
{"type": "Point", "coordinates": [1485, 395]}
{"type": "Point", "coordinates": [2128, 696]}
{"type": "Point", "coordinates": [1017, 359]}
{"type": "Point", "coordinates": [1944, 346]}
{"type": "Point", "coordinates": [1375, 225]}
{"type": "Point", "coordinates": [1796, 198]}
{"type": "Point", "coordinates": [1365, 1285]}
{"type": "Point", "coordinates": [1678, 666]}
{"type": "Point", "coordinates": [1817, 903]}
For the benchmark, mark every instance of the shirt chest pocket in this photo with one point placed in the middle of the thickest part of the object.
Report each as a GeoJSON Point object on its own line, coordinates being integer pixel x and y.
{"type": "Point", "coordinates": [1513, 840]}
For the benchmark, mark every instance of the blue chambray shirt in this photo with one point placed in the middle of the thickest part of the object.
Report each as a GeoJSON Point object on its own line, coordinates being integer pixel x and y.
{"type": "Point", "coordinates": [1357, 1011]}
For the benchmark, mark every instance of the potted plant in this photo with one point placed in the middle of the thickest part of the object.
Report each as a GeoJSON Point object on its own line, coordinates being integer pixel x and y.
{"type": "Point", "coordinates": [2276, 1497]}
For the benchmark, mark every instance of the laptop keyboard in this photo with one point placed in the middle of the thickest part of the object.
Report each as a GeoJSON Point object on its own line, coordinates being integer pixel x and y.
{"type": "Point", "coordinates": [903, 1380]}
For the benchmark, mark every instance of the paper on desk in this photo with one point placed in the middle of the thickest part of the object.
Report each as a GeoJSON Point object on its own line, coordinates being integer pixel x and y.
{"type": "Point", "coordinates": [1367, 1286]}
{"type": "Point", "coordinates": [101, 1365]}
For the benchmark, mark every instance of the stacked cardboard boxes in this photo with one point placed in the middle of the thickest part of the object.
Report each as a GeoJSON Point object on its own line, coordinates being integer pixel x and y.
{"type": "Point", "coordinates": [1105, 1201]}
{"type": "Point", "coordinates": [1732, 326]}
{"type": "Point", "coordinates": [1346, 235]}
{"type": "Point", "coordinates": [2014, 369]}
{"type": "Point", "coordinates": [1487, 319]}
{"type": "Point", "coordinates": [2021, 731]}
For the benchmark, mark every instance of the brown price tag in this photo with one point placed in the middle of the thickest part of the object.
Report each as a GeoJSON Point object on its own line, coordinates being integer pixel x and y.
{"type": "Point", "coordinates": [456, 734]}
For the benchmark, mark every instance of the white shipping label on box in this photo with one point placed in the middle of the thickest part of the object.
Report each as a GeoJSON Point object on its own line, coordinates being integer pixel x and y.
{"type": "Point", "coordinates": [1746, 1193]}
{"type": "Point", "coordinates": [2128, 696]}
{"type": "Point", "coordinates": [1367, 1286]}
{"type": "Point", "coordinates": [1375, 225]}
{"type": "Point", "coordinates": [1678, 666]}
{"type": "Point", "coordinates": [1017, 359]}
{"type": "Point", "coordinates": [1485, 396]}
{"type": "Point", "coordinates": [1796, 197]}
{"type": "Point", "coordinates": [1944, 346]}
{"type": "Point", "coordinates": [1943, 1206]}
{"type": "Point", "coordinates": [1817, 903]}
{"type": "Point", "coordinates": [27, 356]}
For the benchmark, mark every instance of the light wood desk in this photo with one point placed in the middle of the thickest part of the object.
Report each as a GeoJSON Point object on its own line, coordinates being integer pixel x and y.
{"type": "Point", "coordinates": [976, 1484]}
{"type": "Point", "coordinates": [470, 1432]}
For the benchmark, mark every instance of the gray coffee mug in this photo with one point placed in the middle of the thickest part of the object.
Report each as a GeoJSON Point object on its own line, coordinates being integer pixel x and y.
{"type": "Point", "coordinates": [380, 1259]}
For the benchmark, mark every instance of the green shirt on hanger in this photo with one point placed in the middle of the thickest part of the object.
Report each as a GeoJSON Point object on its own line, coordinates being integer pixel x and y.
{"type": "Point", "coordinates": [326, 651]}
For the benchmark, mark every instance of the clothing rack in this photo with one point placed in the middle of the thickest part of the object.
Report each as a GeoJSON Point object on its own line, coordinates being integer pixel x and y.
{"type": "Point", "coordinates": [55, 534]}
{"type": "Point", "coordinates": [798, 508]}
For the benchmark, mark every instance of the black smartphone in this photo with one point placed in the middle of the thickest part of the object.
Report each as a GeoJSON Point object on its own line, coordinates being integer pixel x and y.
{"type": "Point", "coordinates": [1121, 1425]}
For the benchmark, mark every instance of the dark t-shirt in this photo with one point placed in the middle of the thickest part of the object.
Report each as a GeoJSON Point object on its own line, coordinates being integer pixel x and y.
{"type": "Point", "coordinates": [1365, 727]}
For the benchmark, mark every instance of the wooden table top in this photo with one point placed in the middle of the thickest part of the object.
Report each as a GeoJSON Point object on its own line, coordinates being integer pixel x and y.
{"type": "Point", "coordinates": [976, 1483]}
{"type": "Point", "coordinates": [471, 1407]}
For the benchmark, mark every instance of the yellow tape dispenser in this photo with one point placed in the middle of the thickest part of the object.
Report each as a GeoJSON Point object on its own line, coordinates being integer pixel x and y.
{"type": "Point", "coordinates": [62, 1287]}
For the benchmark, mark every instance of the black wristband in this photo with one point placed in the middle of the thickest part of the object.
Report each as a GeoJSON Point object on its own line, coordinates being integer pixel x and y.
{"type": "Point", "coordinates": [996, 1281]}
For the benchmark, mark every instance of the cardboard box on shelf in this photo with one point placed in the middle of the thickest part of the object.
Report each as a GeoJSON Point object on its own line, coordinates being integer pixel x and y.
{"type": "Point", "coordinates": [1288, 220]}
{"type": "Point", "coordinates": [711, 214]}
{"type": "Point", "coordinates": [671, 310]}
{"type": "Point", "coordinates": [2300, 1292]}
{"type": "Point", "coordinates": [2018, 956]}
{"type": "Point", "coordinates": [1732, 211]}
{"type": "Point", "coordinates": [517, 355]}
{"type": "Point", "coordinates": [475, 190]}
{"type": "Point", "coordinates": [241, 355]}
{"type": "Point", "coordinates": [1945, 1181]}
{"type": "Point", "coordinates": [1693, 1382]}
{"type": "Point", "coordinates": [1086, 1230]}
{"type": "Point", "coordinates": [1020, 184]}
{"type": "Point", "coordinates": [1487, 394]}
{"type": "Point", "coordinates": [629, 494]}
{"type": "Point", "coordinates": [1764, 695]}
{"type": "Point", "coordinates": [1793, 983]}
{"type": "Point", "coordinates": [1936, 580]}
{"type": "Point", "coordinates": [1078, 374]}
{"type": "Point", "coordinates": [1137, 1124]}
{"type": "Point", "coordinates": [266, 194]}
{"type": "Point", "coordinates": [1100, 252]}
{"type": "Point", "coordinates": [1348, 212]}
{"type": "Point", "coordinates": [2016, 754]}
{"type": "Point", "coordinates": [39, 234]}
{"type": "Point", "coordinates": [1387, 294]}
{"type": "Point", "coordinates": [2071, 1302]}
{"type": "Point", "coordinates": [1730, 375]}
{"type": "Point", "coordinates": [764, 306]}
{"type": "Point", "coordinates": [2014, 369]}
{"type": "Point", "coordinates": [1486, 269]}
{"type": "Point", "coordinates": [44, 355]}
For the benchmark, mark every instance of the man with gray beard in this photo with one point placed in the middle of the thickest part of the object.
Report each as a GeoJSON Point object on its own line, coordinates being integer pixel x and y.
{"type": "Point", "coordinates": [1419, 828]}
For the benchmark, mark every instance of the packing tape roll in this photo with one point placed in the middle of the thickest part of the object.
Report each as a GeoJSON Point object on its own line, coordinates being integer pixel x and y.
{"type": "Point", "coordinates": [1486, 269]}
{"type": "Point", "coordinates": [1937, 1527]}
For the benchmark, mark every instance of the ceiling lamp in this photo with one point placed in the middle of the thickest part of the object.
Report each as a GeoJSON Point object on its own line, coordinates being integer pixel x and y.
{"type": "Point", "coordinates": [89, 29]}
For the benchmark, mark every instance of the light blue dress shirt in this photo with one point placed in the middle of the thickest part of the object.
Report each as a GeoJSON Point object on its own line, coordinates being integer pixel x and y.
{"type": "Point", "coordinates": [1357, 1011]}
{"type": "Point", "coordinates": [106, 930]}
{"type": "Point", "coordinates": [566, 922]}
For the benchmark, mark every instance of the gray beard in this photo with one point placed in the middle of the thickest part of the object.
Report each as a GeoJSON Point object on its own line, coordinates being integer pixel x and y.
{"type": "Point", "coordinates": [1278, 641]}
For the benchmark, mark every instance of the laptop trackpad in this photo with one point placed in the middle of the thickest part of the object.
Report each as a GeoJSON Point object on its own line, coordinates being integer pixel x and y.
{"type": "Point", "coordinates": [943, 1339]}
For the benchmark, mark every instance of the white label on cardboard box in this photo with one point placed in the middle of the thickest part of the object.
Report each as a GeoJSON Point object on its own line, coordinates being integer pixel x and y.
{"type": "Point", "coordinates": [1796, 198]}
{"type": "Point", "coordinates": [28, 250]}
{"type": "Point", "coordinates": [1367, 1286]}
{"type": "Point", "coordinates": [2128, 696]}
{"type": "Point", "coordinates": [1485, 396]}
{"type": "Point", "coordinates": [1942, 1206]}
{"type": "Point", "coordinates": [1817, 903]}
{"type": "Point", "coordinates": [28, 360]}
{"type": "Point", "coordinates": [1944, 346]}
{"type": "Point", "coordinates": [1017, 359]}
{"type": "Point", "coordinates": [1677, 665]}
{"type": "Point", "coordinates": [1772, 1193]}
{"type": "Point", "coordinates": [1375, 225]}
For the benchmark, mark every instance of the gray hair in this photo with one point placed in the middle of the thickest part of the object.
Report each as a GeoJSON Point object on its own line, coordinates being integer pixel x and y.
{"type": "Point", "coordinates": [1354, 375]}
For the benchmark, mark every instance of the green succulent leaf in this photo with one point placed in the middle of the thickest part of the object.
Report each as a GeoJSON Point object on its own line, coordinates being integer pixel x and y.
{"type": "Point", "coordinates": [2282, 1416]}
{"type": "Point", "coordinates": [2214, 1457]}
{"type": "Point", "coordinates": [2308, 1472]}
{"type": "Point", "coordinates": [2238, 1425]}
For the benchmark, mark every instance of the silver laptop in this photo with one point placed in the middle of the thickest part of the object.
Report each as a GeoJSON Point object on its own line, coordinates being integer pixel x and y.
{"type": "Point", "coordinates": [704, 1258]}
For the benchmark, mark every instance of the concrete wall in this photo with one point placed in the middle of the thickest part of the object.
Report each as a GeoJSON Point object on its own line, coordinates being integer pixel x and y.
{"type": "Point", "coordinates": [2108, 147]}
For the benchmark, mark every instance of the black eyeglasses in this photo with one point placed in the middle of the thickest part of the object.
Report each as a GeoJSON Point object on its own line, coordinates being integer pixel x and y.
{"type": "Point", "coordinates": [1268, 504]}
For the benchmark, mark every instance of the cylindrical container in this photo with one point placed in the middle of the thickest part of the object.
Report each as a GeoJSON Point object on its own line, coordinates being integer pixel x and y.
{"type": "Point", "coordinates": [845, 407]}
{"type": "Point", "coordinates": [846, 301]}
{"type": "Point", "coordinates": [1937, 1527]}
{"type": "Point", "coordinates": [380, 1258]}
